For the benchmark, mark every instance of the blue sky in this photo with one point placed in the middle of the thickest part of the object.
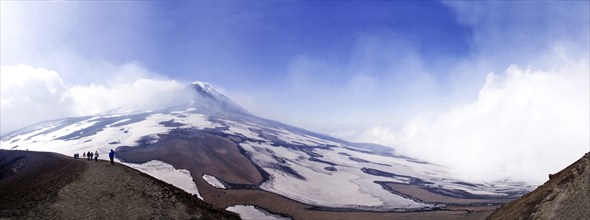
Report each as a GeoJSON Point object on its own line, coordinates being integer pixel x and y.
{"type": "Point", "coordinates": [253, 41]}
{"type": "Point", "coordinates": [259, 41]}
{"type": "Point", "coordinates": [390, 72]}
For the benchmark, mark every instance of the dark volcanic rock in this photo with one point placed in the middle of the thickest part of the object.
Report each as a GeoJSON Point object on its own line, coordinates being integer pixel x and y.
{"type": "Point", "coordinates": [322, 161]}
{"type": "Point", "coordinates": [330, 168]}
{"type": "Point", "coordinates": [287, 170]}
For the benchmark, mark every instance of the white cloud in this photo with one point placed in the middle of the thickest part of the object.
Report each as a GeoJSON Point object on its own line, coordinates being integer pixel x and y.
{"type": "Point", "coordinates": [524, 124]}
{"type": "Point", "coordinates": [141, 94]}
{"type": "Point", "coordinates": [30, 95]}
{"type": "Point", "coordinates": [376, 134]}
{"type": "Point", "coordinates": [521, 125]}
{"type": "Point", "coordinates": [75, 77]}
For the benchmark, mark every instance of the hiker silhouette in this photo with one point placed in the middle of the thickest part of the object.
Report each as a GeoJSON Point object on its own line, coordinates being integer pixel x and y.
{"type": "Point", "coordinates": [112, 156]}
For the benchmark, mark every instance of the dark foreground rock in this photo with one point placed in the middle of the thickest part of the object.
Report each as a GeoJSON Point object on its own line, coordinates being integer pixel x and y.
{"type": "Point", "coordinates": [40, 185]}
{"type": "Point", "coordinates": [566, 195]}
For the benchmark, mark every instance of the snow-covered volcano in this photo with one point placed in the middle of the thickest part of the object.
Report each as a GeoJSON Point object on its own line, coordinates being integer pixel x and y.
{"type": "Point", "coordinates": [207, 98]}
{"type": "Point", "coordinates": [230, 152]}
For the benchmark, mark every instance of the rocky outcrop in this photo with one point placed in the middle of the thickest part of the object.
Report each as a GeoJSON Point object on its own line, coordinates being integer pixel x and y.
{"type": "Point", "coordinates": [566, 195]}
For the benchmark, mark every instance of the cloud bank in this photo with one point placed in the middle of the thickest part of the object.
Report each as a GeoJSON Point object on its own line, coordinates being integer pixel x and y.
{"type": "Point", "coordinates": [525, 124]}
{"type": "Point", "coordinates": [29, 95]}
{"type": "Point", "coordinates": [518, 104]}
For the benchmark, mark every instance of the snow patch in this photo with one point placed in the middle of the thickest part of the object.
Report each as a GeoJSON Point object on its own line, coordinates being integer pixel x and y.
{"type": "Point", "coordinates": [247, 212]}
{"type": "Point", "coordinates": [180, 178]}
{"type": "Point", "coordinates": [213, 181]}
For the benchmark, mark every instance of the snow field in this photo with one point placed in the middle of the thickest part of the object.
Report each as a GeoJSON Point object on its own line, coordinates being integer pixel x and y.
{"type": "Point", "coordinates": [243, 129]}
{"type": "Point", "coordinates": [293, 138]}
{"type": "Point", "coordinates": [110, 137]}
{"type": "Point", "coordinates": [346, 188]}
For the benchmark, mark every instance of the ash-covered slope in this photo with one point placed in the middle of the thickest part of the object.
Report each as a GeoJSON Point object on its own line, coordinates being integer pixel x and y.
{"type": "Point", "coordinates": [43, 185]}
{"type": "Point", "coordinates": [262, 162]}
{"type": "Point", "coordinates": [566, 195]}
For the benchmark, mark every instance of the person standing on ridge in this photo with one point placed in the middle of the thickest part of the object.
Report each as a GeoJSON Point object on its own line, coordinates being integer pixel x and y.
{"type": "Point", "coordinates": [95, 156]}
{"type": "Point", "coordinates": [112, 156]}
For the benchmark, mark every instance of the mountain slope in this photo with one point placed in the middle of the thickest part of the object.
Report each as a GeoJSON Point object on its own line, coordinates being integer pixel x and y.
{"type": "Point", "coordinates": [41, 185]}
{"type": "Point", "coordinates": [236, 158]}
{"type": "Point", "coordinates": [566, 195]}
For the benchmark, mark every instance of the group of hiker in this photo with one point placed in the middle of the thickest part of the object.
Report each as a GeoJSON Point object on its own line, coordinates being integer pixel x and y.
{"type": "Point", "coordinates": [89, 155]}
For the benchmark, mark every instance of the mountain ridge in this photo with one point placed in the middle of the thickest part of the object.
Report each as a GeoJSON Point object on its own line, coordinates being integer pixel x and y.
{"type": "Point", "coordinates": [65, 188]}
{"type": "Point", "coordinates": [566, 195]}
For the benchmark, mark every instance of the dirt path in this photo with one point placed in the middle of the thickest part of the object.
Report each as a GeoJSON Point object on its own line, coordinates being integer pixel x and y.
{"type": "Point", "coordinates": [121, 193]}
